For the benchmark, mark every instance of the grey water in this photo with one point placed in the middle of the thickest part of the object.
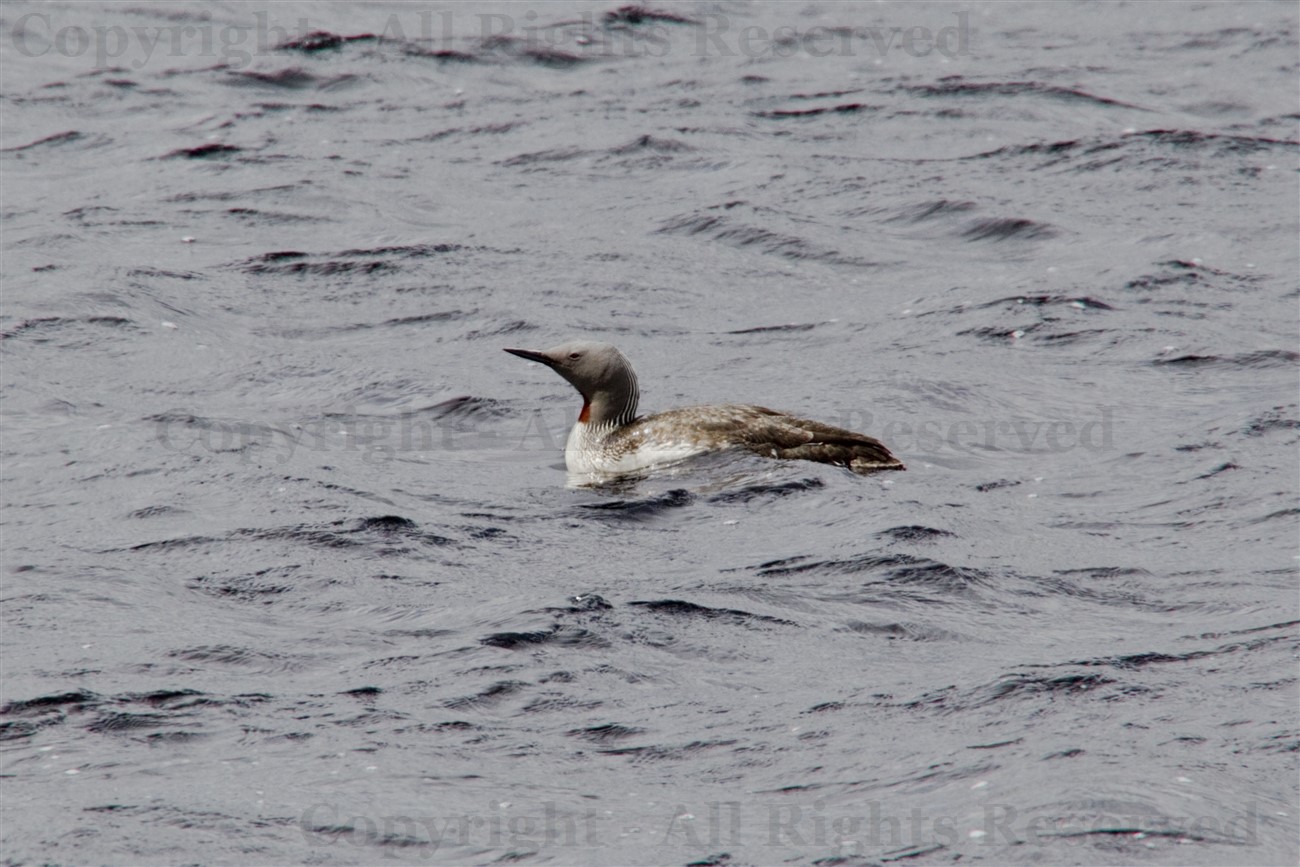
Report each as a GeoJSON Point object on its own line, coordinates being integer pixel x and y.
{"type": "Point", "coordinates": [292, 569]}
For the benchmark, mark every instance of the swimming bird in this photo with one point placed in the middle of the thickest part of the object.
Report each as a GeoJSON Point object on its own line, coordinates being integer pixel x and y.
{"type": "Point", "coordinates": [609, 438]}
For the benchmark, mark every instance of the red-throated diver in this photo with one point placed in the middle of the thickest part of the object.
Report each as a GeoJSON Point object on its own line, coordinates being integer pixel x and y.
{"type": "Point", "coordinates": [609, 438]}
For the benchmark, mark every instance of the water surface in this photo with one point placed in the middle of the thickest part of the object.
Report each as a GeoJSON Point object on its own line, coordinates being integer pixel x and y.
{"type": "Point", "coordinates": [291, 570]}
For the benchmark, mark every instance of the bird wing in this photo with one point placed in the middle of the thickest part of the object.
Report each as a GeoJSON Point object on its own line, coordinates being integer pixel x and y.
{"type": "Point", "coordinates": [771, 433]}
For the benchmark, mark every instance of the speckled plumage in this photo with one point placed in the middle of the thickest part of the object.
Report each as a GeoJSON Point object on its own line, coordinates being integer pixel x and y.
{"type": "Point", "coordinates": [610, 439]}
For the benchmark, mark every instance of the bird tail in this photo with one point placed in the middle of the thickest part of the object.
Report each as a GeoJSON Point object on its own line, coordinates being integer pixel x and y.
{"type": "Point", "coordinates": [862, 456]}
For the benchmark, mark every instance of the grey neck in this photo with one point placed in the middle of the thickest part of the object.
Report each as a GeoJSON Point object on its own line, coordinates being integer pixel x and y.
{"type": "Point", "coordinates": [615, 405]}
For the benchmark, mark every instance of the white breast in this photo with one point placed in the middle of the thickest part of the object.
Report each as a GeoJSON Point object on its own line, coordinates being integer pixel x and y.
{"type": "Point", "coordinates": [586, 452]}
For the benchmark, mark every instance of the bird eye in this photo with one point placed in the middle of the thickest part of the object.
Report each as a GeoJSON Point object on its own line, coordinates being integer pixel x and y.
{"type": "Point", "coordinates": [575, 355]}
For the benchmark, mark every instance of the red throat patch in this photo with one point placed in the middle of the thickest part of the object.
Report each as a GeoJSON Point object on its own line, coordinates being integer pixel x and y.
{"type": "Point", "coordinates": [586, 412]}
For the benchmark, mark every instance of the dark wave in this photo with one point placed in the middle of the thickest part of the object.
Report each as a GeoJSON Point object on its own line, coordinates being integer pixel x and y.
{"type": "Point", "coordinates": [530, 51]}
{"type": "Point", "coordinates": [666, 753]}
{"type": "Point", "coordinates": [790, 327]}
{"type": "Point", "coordinates": [736, 234]}
{"type": "Point", "coordinates": [1081, 302]}
{"type": "Point", "coordinates": [465, 408]}
{"type": "Point", "coordinates": [643, 508]}
{"type": "Point", "coordinates": [157, 716]}
{"type": "Point", "coordinates": [635, 13]}
{"type": "Point", "coordinates": [58, 138]}
{"type": "Point", "coordinates": [765, 490]}
{"type": "Point", "coordinates": [1007, 228]}
{"type": "Point", "coordinates": [1135, 661]}
{"type": "Point", "coordinates": [915, 533]}
{"type": "Point", "coordinates": [203, 152]}
{"type": "Point", "coordinates": [44, 329]}
{"type": "Point", "coordinates": [606, 733]}
{"type": "Point", "coordinates": [363, 261]}
{"type": "Point", "coordinates": [955, 86]}
{"type": "Point", "coordinates": [451, 55]}
{"type": "Point", "coordinates": [273, 218]}
{"type": "Point", "coordinates": [933, 210]}
{"type": "Point", "coordinates": [290, 78]}
{"type": "Point", "coordinates": [563, 636]}
{"type": "Point", "coordinates": [488, 696]}
{"type": "Point", "coordinates": [322, 40]}
{"type": "Point", "coordinates": [896, 631]}
{"type": "Point", "coordinates": [842, 108]}
{"type": "Point", "coordinates": [547, 156]}
{"type": "Point", "coordinates": [897, 568]}
{"type": "Point", "coordinates": [649, 143]}
{"type": "Point", "coordinates": [682, 608]}
{"type": "Point", "coordinates": [1279, 418]}
{"type": "Point", "coordinates": [1010, 687]}
{"type": "Point", "coordinates": [1138, 150]}
{"type": "Point", "coordinates": [335, 535]}
{"type": "Point", "coordinates": [76, 698]}
{"type": "Point", "coordinates": [483, 129]}
{"type": "Point", "coordinates": [1263, 358]}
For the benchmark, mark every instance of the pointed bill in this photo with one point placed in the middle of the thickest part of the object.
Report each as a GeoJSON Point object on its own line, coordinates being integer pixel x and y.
{"type": "Point", "coordinates": [533, 355]}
